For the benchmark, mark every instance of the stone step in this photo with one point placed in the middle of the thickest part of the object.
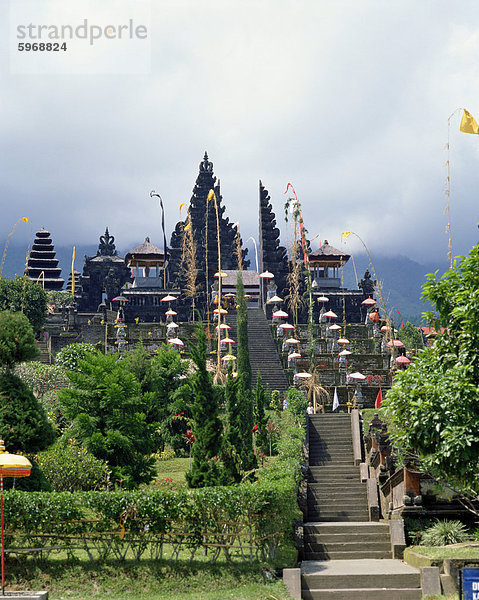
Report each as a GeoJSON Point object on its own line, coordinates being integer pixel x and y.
{"type": "Point", "coordinates": [365, 580]}
{"type": "Point", "coordinates": [348, 555]}
{"type": "Point", "coordinates": [348, 546]}
{"type": "Point", "coordinates": [363, 594]}
{"type": "Point", "coordinates": [335, 538]}
{"type": "Point", "coordinates": [345, 517]}
{"type": "Point", "coordinates": [360, 527]}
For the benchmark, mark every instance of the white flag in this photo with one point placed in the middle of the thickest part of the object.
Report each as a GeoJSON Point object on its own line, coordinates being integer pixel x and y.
{"type": "Point", "coordinates": [335, 400]}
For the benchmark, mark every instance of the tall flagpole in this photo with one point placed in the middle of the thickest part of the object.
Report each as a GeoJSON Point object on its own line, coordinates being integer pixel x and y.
{"type": "Point", "coordinates": [153, 193]}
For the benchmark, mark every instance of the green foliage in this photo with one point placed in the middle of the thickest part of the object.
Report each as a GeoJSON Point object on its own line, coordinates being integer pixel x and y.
{"type": "Point", "coordinates": [22, 295]}
{"type": "Point", "coordinates": [297, 401]}
{"type": "Point", "coordinates": [443, 533]}
{"type": "Point", "coordinates": [433, 404]}
{"type": "Point", "coordinates": [69, 356]}
{"type": "Point", "coordinates": [111, 417]}
{"type": "Point", "coordinates": [260, 416]}
{"type": "Point", "coordinates": [42, 378]}
{"type": "Point", "coordinates": [275, 403]}
{"type": "Point", "coordinates": [23, 423]}
{"type": "Point", "coordinates": [410, 336]}
{"type": "Point", "coordinates": [244, 365]}
{"type": "Point", "coordinates": [69, 467]}
{"type": "Point", "coordinates": [17, 342]}
{"type": "Point", "coordinates": [232, 436]}
{"type": "Point", "coordinates": [207, 426]}
{"type": "Point", "coordinates": [60, 298]}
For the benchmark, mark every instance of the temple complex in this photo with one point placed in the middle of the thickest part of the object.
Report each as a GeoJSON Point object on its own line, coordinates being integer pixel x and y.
{"type": "Point", "coordinates": [103, 276]}
{"type": "Point", "coordinates": [42, 264]}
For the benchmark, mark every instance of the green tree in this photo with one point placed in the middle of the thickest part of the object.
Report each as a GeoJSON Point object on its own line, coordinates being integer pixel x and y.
{"type": "Point", "coordinates": [23, 295]}
{"type": "Point", "coordinates": [261, 419]}
{"type": "Point", "coordinates": [434, 404]}
{"type": "Point", "coordinates": [207, 426]}
{"type": "Point", "coordinates": [244, 396]}
{"type": "Point", "coordinates": [163, 383]}
{"type": "Point", "coordinates": [410, 336]}
{"type": "Point", "coordinates": [112, 418]}
{"type": "Point", "coordinates": [17, 342]}
{"type": "Point", "coordinates": [70, 355]}
{"type": "Point", "coordinates": [232, 442]}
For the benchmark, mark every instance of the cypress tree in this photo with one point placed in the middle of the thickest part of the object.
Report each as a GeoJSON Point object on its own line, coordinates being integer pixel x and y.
{"type": "Point", "coordinates": [232, 442]}
{"type": "Point", "coordinates": [243, 394]}
{"type": "Point", "coordinates": [260, 415]}
{"type": "Point", "coordinates": [207, 427]}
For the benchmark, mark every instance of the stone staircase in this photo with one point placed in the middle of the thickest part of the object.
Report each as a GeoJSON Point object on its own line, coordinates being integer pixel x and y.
{"type": "Point", "coordinates": [263, 353]}
{"type": "Point", "coordinates": [346, 555]}
{"type": "Point", "coordinates": [44, 356]}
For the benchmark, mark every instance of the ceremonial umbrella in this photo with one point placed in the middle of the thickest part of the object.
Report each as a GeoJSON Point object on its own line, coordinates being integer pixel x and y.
{"type": "Point", "coordinates": [334, 327]}
{"type": "Point", "coordinates": [120, 299]}
{"type": "Point", "coordinates": [330, 314]}
{"type": "Point", "coordinates": [11, 465]}
{"type": "Point", "coordinates": [292, 341]}
{"type": "Point", "coordinates": [294, 355]}
{"type": "Point", "coordinates": [343, 341]}
{"type": "Point", "coordinates": [176, 341]}
{"type": "Point", "coordinates": [172, 325]}
{"type": "Point", "coordinates": [403, 360]}
{"type": "Point", "coordinates": [323, 299]}
{"type": "Point", "coordinates": [229, 357]}
{"type": "Point", "coordinates": [280, 314]}
{"type": "Point", "coordinates": [358, 376]}
{"type": "Point", "coordinates": [222, 311]}
{"type": "Point", "coordinates": [222, 326]}
{"type": "Point", "coordinates": [274, 299]}
{"type": "Point", "coordinates": [286, 326]}
{"type": "Point", "coordinates": [171, 312]}
{"type": "Point", "coordinates": [344, 352]}
{"type": "Point", "coordinates": [228, 340]}
{"type": "Point", "coordinates": [168, 298]}
{"type": "Point", "coordinates": [395, 343]}
{"type": "Point", "coordinates": [302, 375]}
{"type": "Point", "coordinates": [266, 275]}
{"type": "Point", "coordinates": [369, 302]}
{"type": "Point", "coordinates": [222, 274]}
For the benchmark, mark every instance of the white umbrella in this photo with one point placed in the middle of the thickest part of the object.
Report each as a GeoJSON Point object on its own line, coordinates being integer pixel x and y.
{"type": "Point", "coordinates": [280, 313]}
{"type": "Point", "coordinates": [266, 275]}
{"type": "Point", "coordinates": [323, 299]}
{"type": "Point", "coordinates": [343, 341]}
{"type": "Point", "coordinates": [172, 325]}
{"type": "Point", "coordinates": [334, 327]}
{"type": "Point", "coordinates": [168, 298]}
{"type": "Point", "coordinates": [228, 340]}
{"type": "Point", "coordinates": [358, 376]}
{"type": "Point", "coordinates": [294, 355]}
{"type": "Point", "coordinates": [286, 326]}
{"type": "Point", "coordinates": [302, 375]}
{"type": "Point", "coordinates": [274, 299]}
{"type": "Point", "coordinates": [171, 312]}
{"type": "Point", "coordinates": [344, 353]}
{"type": "Point", "coordinates": [176, 342]}
{"type": "Point", "coordinates": [292, 341]}
{"type": "Point", "coordinates": [330, 314]}
{"type": "Point", "coordinates": [229, 357]}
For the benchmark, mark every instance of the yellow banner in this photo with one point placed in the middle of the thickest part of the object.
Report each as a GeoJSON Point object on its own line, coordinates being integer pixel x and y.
{"type": "Point", "coordinates": [345, 234]}
{"type": "Point", "coordinates": [468, 123]}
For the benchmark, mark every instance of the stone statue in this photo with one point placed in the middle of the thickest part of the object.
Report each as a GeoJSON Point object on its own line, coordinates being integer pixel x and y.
{"type": "Point", "coordinates": [367, 284]}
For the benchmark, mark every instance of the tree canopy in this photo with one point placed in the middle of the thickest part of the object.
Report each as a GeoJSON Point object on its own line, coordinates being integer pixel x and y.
{"type": "Point", "coordinates": [17, 342]}
{"type": "Point", "coordinates": [23, 295]}
{"type": "Point", "coordinates": [434, 405]}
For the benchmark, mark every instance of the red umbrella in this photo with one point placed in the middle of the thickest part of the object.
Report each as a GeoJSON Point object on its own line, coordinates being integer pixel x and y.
{"type": "Point", "coordinates": [120, 299]}
{"type": "Point", "coordinates": [403, 360]}
{"type": "Point", "coordinates": [369, 302]}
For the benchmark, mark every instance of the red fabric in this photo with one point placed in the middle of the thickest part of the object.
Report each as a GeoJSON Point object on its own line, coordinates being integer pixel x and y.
{"type": "Point", "coordinates": [379, 399]}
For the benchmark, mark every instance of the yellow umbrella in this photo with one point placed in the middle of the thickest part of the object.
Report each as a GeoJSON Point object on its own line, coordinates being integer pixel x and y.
{"type": "Point", "coordinates": [11, 465]}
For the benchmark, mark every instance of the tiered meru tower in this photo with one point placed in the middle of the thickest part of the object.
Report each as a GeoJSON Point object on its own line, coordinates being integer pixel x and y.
{"type": "Point", "coordinates": [202, 216]}
{"type": "Point", "coordinates": [42, 265]}
{"type": "Point", "coordinates": [272, 256]}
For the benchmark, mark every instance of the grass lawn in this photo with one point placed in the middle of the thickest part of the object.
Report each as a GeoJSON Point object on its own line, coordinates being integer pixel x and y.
{"type": "Point", "coordinates": [452, 551]}
{"type": "Point", "coordinates": [147, 580]}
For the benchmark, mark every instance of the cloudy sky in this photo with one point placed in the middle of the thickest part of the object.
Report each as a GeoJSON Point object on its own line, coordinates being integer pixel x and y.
{"type": "Point", "coordinates": [348, 100]}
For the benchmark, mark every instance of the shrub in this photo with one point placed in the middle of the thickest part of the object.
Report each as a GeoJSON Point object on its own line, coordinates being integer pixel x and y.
{"type": "Point", "coordinates": [69, 467]}
{"type": "Point", "coordinates": [70, 355]}
{"type": "Point", "coordinates": [297, 401]}
{"type": "Point", "coordinates": [443, 533]}
{"type": "Point", "coordinates": [17, 342]}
